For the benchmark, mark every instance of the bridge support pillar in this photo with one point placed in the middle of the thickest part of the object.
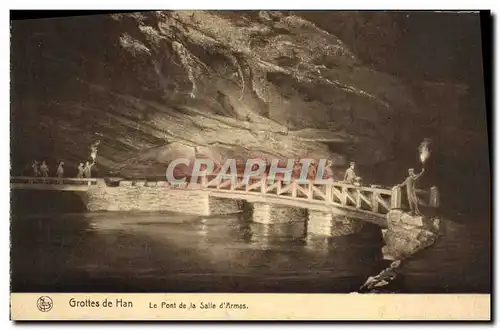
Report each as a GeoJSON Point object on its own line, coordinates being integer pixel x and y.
{"type": "Point", "coordinates": [271, 214]}
{"type": "Point", "coordinates": [434, 197]}
{"type": "Point", "coordinates": [330, 224]}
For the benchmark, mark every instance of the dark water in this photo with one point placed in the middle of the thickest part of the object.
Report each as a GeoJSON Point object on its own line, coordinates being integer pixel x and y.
{"type": "Point", "coordinates": [164, 252]}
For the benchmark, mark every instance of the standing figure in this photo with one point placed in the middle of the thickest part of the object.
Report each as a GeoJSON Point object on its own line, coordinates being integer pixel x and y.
{"type": "Point", "coordinates": [93, 150]}
{"type": "Point", "coordinates": [44, 169]}
{"type": "Point", "coordinates": [296, 170]}
{"type": "Point", "coordinates": [328, 174]}
{"type": "Point", "coordinates": [60, 170]}
{"type": "Point", "coordinates": [87, 171]}
{"type": "Point", "coordinates": [311, 171]}
{"type": "Point", "coordinates": [80, 169]}
{"type": "Point", "coordinates": [350, 175]}
{"type": "Point", "coordinates": [36, 168]}
{"type": "Point", "coordinates": [410, 190]}
{"type": "Point", "coordinates": [357, 181]}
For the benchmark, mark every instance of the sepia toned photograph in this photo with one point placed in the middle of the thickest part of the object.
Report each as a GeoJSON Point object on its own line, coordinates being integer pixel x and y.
{"type": "Point", "coordinates": [297, 152]}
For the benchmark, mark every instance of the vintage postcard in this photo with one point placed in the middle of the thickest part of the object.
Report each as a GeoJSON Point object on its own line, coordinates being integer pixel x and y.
{"type": "Point", "coordinates": [250, 165]}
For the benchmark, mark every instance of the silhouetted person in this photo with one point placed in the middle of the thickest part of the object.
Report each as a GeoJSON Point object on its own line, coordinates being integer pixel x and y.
{"type": "Point", "coordinates": [60, 170]}
{"type": "Point", "coordinates": [311, 171]}
{"type": "Point", "coordinates": [350, 175]}
{"type": "Point", "coordinates": [36, 168]}
{"type": "Point", "coordinates": [93, 152]}
{"type": "Point", "coordinates": [328, 174]}
{"type": "Point", "coordinates": [410, 190]}
{"type": "Point", "coordinates": [44, 169]}
{"type": "Point", "coordinates": [80, 169]}
{"type": "Point", "coordinates": [297, 168]}
{"type": "Point", "coordinates": [87, 172]}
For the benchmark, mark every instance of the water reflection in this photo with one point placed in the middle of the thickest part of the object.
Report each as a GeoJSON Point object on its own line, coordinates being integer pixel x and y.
{"type": "Point", "coordinates": [275, 236]}
{"type": "Point", "coordinates": [460, 259]}
{"type": "Point", "coordinates": [112, 251]}
{"type": "Point", "coordinates": [317, 244]}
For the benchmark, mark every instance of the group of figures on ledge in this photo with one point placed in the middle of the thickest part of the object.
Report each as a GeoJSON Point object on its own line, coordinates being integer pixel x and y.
{"type": "Point", "coordinates": [43, 170]}
{"type": "Point", "coordinates": [82, 171]}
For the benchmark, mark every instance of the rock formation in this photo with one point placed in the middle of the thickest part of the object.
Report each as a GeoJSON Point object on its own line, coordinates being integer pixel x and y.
{"type": "Point", "coordinates": [407, 235]}
{"type": "Point", "coordinates": [251, 84]}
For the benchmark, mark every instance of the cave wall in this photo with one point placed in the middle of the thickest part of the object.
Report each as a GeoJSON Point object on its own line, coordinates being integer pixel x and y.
{"type": "Point", "coordinates": [254, 84]}
{"type": "Point", "coordinates": [350, 86]}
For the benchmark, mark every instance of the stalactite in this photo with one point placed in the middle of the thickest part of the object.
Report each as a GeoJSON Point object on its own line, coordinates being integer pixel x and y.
{"type": "Point", "coordinates": [190, 63]}
{"type": "Point", "coordinates": [236, 63]}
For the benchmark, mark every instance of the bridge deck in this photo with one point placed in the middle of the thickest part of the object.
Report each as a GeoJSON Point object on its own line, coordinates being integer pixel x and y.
{"type": "Point", "coordinates": [315, 205]}
{"type": "Point", "coordinates": [368, 203]}
{"type": "Point", "coordinates": [51, 183]}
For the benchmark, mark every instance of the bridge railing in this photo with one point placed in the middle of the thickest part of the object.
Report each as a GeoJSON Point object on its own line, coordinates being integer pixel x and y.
{"type": "Point", "coordinates": [368, 199]}
{"type": "Point", "coordinates": [53, 180]}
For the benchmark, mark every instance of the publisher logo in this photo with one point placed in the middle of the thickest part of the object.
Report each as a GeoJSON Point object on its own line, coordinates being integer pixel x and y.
{"type": "Point", "coordinates": [44, 304]}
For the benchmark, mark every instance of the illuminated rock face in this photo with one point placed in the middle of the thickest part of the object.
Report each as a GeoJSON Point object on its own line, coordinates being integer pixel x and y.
{"type": "Point", "coordinates": [156, 85]}
{"type": "Point", "coordinates": [157, 196]}
{"type": "Point", "coordinates": [131, 197]}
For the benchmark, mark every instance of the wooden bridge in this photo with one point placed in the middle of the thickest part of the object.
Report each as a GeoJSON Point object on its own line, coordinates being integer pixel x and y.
{"type": "Point", "coordinates": [369, 200]}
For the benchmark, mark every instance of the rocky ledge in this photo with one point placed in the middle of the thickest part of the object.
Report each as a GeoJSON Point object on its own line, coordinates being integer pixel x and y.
{"type": "Point", "coordinates": [406, 234]}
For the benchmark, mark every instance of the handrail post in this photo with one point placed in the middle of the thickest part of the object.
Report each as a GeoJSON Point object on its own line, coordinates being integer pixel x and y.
{"type": "Point", "coordinates": [263, 181]}
{"type": "Point", "coordinates": [344, 195]}
{"type": "Point", "coordinates": [328, 193]}
{"type": "Point", "coordinates": [396, 197]}
{"type": "Point", "coordinates": [374, 202]}
{"type": "Point", "coordinates": [204, 181]}
{"type": "Point", "coordinates": [358, 198]}
{"type": "Point", "coordinates": [434, 197]}
{"type": "Point", "coordinates": [310, 191]}
{"type": "Point", "coordinates": [294, 189]}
